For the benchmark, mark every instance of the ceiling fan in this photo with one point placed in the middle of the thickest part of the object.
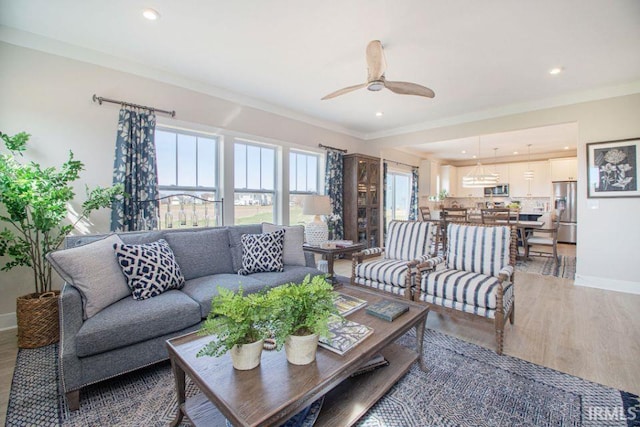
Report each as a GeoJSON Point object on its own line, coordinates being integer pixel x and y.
{"type": "Point", "coordinates": [376, 79]}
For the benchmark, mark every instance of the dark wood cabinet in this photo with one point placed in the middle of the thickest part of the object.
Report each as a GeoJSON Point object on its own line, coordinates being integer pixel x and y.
{"type": "Point", "coordinates": [362, 196]}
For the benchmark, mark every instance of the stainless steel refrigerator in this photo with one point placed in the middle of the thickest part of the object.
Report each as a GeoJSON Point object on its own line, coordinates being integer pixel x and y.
{"type": "Point", "coordinates": [565, 198]}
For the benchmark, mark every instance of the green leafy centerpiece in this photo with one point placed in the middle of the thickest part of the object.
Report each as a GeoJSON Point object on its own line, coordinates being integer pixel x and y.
{"type": "Point", "coordinates": [240, 324]}
{"type": "Point", "coordinates": [301, 315]}
{"type": "Point", "coordinates": [33, 202]}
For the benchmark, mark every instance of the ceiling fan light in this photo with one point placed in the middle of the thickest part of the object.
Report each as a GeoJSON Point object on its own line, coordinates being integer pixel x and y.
{"type": "Point", "coordinates": [375, 85]}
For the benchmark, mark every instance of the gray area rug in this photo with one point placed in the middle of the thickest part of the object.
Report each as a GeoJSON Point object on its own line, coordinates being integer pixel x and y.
{"type": "Point", "coordinates": [466, 385]}
{"type": "Point", "coordinates": [565, 267]}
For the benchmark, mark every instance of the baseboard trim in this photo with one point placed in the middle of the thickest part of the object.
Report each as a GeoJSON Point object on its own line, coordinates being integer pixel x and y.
{"type": "Point", "coordinates": [8, 321]}
{"type": "Point", "coordinates": [608, 284]}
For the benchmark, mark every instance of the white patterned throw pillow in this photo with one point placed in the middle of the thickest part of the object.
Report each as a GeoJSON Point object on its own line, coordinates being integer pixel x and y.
{"type": "Point", "coordinates": [262, 252]}
{"type": "Point", "coordinates": [150, 268]}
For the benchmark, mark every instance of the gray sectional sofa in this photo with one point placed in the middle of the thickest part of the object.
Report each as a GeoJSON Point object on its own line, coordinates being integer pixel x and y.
{"type": "Point", "coordinates": [130, 334]}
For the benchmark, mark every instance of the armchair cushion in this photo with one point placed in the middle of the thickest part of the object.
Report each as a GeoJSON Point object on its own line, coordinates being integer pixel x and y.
{"type": "Point", "coordinates": [386, 272]}
{"type": "Point", "coordinates": [372, 251]}
{"type": "Point", "coordinates": [408, 240]}
{"type": "Point", "coordinates": [462, 290]}
{"type": "Point", "coordinates": [477, 249]}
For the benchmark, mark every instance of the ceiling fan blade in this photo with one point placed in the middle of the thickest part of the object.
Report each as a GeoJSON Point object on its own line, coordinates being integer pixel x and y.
{"type": "Point", "coordinates": [406, 88]}
{"type": "Point", "coordinates": [344, 90]}
{"type": "Point", "coordinates": [376, 63]}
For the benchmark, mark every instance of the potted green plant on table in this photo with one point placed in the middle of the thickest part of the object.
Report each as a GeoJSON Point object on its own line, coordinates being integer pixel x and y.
{"type": "Point", "coordinates": [33, 202]}
{"type": "Point", "coordinates": [301, 314]}
{"type": "Point", "coordinates": [239, 323]}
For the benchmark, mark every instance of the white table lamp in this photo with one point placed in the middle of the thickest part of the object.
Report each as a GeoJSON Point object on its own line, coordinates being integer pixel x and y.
{"type": "Point", "coordinates": [316, 231]}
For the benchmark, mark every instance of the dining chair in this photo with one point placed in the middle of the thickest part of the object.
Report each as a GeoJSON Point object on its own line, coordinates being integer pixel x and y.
{"type": "Point", "coordinates": [546, 237]}
{"type": "Point", "coordinates": [454, 214]}
{"type": "Point", "coordinates": [425, 213]}
{"type": "Point", "coordinates": [496, 216]}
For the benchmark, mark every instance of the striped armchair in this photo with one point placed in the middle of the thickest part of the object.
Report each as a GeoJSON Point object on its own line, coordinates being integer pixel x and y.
{"type": "Point", "coordinates": [475, 277]}
{"type": "Point", "coordinates": [408, 244]}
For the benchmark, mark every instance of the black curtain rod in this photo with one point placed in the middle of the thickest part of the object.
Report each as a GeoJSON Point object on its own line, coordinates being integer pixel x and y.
{"type": "Point", "coordinates": [326, 147]}
{"type": "Point", "coordinates": [399, 163]}
{"type": "Point", "coordinates": [100, 100]}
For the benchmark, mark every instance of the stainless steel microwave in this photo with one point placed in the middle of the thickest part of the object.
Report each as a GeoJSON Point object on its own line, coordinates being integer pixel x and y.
{"type": "Point", "coordinates": [500, 190]}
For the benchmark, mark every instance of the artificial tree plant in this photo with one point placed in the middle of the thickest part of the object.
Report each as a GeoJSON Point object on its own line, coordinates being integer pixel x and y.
{"type": "Point", "coordinates": [33, 202]}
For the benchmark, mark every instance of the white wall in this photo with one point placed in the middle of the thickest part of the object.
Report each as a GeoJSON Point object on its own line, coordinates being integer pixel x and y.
{"type": "Point", "coordinates": [607, 249]}
{"type": "Point", "coordinates": [50, 97]}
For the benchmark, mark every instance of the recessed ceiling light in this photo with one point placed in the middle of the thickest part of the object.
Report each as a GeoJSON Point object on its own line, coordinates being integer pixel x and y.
{"type": "Point", "coordinates": [556, 70]}
{"type": "Point", "coordinates": [464, 151]}
{"type": "Point", "coordinates": [566, 148]}
{"type": "Point", "coordinates": [151, 14]}
{"type": "Point", "coordinates": [515, 152]}
{"type": "Point", "coordinates": [379, 114]}
{"type": "Point", "coordinates": [474, 156]}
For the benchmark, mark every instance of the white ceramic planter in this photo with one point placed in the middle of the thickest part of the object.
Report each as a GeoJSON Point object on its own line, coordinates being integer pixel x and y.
{"type": "Point", "coordinates": [246, 356]}
{"type": "Point", "coordinates": [301, 350]}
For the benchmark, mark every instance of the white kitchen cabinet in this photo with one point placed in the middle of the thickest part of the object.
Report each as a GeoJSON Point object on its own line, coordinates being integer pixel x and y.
{"type": "Point", "coordinates": [449, 179]}
{"type": "Point", "coordinates": [428, 178]}
{"type": "Point", "coordinates": [468, 192]}
{"type": "Point", "coordinates": [565, 169]}
{"type": "Point", "coordinates": [502, 170]}
{"type": "Point", "coordinates": [539, 186]}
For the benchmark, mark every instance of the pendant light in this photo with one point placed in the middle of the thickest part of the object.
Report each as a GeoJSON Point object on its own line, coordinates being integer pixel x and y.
{"type": "Point", "coordinates": [477, 177]}
{"type": "Point", "coordinates": [528, 174]}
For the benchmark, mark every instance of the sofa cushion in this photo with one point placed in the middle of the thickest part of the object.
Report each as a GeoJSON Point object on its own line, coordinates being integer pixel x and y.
{"type": "Point", "coordinates": [262, 252]}
{"type": "Point", "coordinates": [150, 268]}
{"type": "Point", "coordinates": [407, 240]}
{"type": "Point", "coordinates": [94, 271]}
{"type": "Point", "coordinates": [388, 272]}
{"type": "Point", "coordinates": [130, 321]}
{"type": "Point", "coordinates": [290, 274]}
{"type": "Point", "coordinates": [467, 288]}
{"type": "Point", "coordinates": [201, 253]}
{"type": "Point", "coordinates": [478, 249]}
{"type": "Point", "coordinates": [235, 237]}
{"type": "Point", "coordinates": [203, 289]}
{"type": "Point", "coordinates": [293, 241]}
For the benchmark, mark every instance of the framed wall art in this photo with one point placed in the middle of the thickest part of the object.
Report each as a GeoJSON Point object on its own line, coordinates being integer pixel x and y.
{"type": "Point", "coordinates": [612, 168]}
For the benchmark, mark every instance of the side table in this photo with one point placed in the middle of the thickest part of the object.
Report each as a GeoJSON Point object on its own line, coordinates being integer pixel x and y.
{"type": "Point", "coordinates": [330, 254]}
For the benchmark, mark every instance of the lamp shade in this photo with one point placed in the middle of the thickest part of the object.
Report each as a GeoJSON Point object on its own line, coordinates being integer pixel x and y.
{"type": "Point", "coordinates": [317, 205]}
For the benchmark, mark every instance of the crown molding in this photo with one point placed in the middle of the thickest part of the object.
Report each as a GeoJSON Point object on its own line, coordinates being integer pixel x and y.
{"type": "Point", "coordinates": [508, 110]}
{"type": "Point", "coordinates": [51, 46]}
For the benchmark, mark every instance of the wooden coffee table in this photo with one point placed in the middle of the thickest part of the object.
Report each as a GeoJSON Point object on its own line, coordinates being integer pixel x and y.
{"type": "Point", "coordinates": [276, 390]}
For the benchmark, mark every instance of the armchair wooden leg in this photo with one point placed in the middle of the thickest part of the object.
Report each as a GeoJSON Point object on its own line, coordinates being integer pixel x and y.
{"type": "Point", "coordinates": [512, 315]}
{"type": "Point", "coordinates": [73, 400]}
{"type": "Point", "coordinates": [499, 339]}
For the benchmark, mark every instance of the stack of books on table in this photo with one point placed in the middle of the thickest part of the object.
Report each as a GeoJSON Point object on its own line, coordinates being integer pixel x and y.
{"type": "Point", "coordinates": [344, 335]}
{"type": "Point", "coordinates": [377, 361]}
{"type": "Point", "coordinates": [343, 243]}
{"type": "Point", "coordinates": [388, 310]}
{"type": "Point", "coordinates": [347, 304]}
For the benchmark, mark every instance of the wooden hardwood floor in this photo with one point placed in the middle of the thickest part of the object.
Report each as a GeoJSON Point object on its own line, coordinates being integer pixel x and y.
{"type": "Point", "coordinates": [589, 333]}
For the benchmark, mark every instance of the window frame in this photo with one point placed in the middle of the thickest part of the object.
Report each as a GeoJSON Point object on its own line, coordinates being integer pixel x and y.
{"type": "Point", "coordinates": [190, 188]}
{"type": "Point", "coordinates": [247, 190]}
{"type": "Point", "coordinates": [391, 175]}
{"type": "Point", "coordinates": [317, 177]}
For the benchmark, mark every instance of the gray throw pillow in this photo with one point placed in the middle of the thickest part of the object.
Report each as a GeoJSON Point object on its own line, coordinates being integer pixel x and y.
{"type": "Point", "coordinates": [94, 271]}
{"type": "Point", "coordinates": [202, 252]}
{"type": "Point", "coordinates": [293, 241]}
{"type": "Point", "coordinates": [262, 252]}
{"type": "Point", "coordinates": [150, 268]}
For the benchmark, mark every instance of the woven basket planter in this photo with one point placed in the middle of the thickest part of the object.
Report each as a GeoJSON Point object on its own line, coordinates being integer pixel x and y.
{"type": "Point", "coordinates": [38, 323]}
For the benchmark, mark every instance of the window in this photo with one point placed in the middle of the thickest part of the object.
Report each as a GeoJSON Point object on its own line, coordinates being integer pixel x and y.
{"type": "Point", "coordinates": [187, 164]}
{"type": "Point", "coordinates": [303, 180]}
{"type": "Point", "coordinates": [398, 196]}
{"type": "Point", "coordinates": [254, 182]}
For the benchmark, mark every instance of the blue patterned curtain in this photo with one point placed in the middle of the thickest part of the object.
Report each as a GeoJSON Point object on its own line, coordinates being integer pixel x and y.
{"type": "Point", "coordinates": [333, 179]}
{"type": "Point", "coordinates": [135, 167]}
{"type": "Point", "coordinates": [413, 207]}
{"type": "Point", "coordinates": [384, 201]}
